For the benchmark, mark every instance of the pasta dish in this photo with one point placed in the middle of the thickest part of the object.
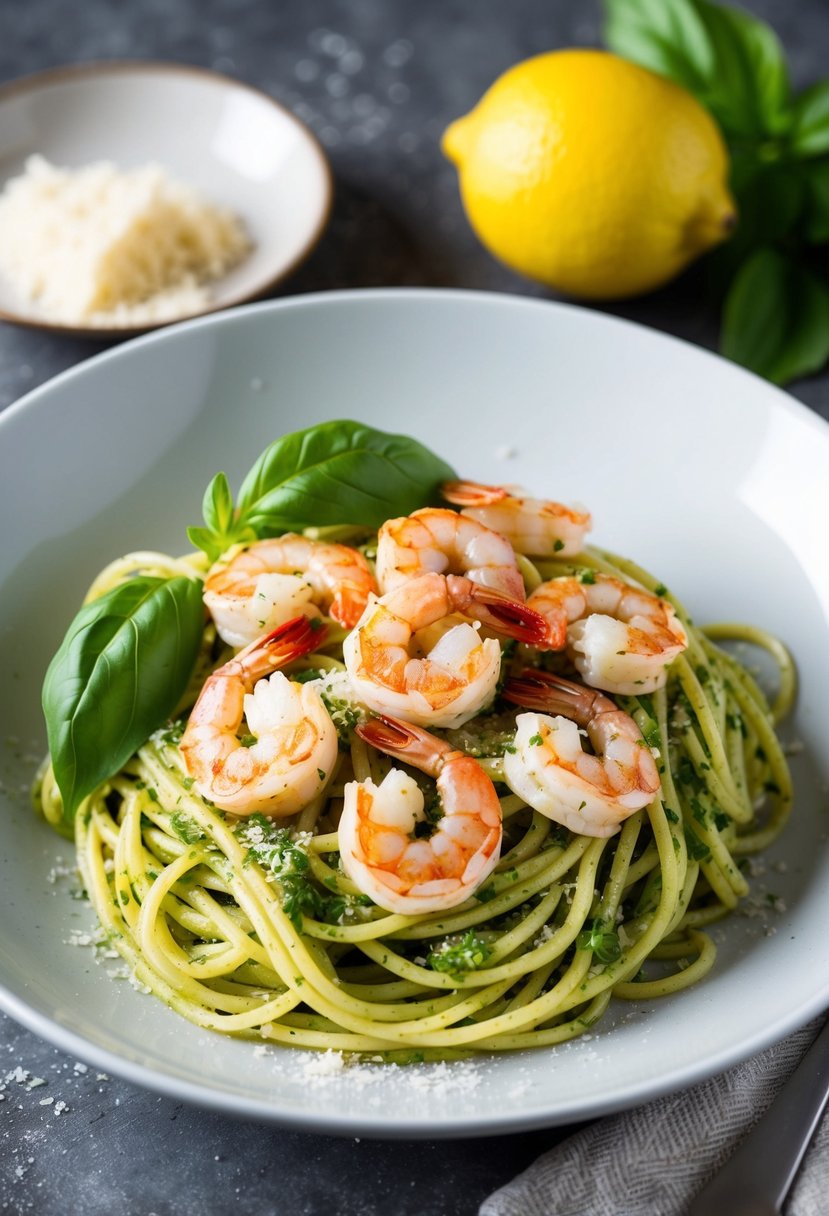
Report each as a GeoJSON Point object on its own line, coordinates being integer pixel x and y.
{"type": "Point", "coordinates": [412, 783]}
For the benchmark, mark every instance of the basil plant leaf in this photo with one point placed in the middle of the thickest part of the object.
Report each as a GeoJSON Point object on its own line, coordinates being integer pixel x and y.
{"type": "Point", "coordinates": [223, 527]}
{"type": "Point", "coordinates": [809, 135]}
{"type": "Point", "coordinates": [667, 36]}
{"type": "Point", "coordinates": [772, 205]}
{"type": "Point", "coordinates": [117, 676]}
{"type": "Point", "coordinates": [748, 91]}
{"type": "Point", "coordinates": [217, 504]}
{"type": "Point", "coordinates": [732, 62]}
{"type": "Point", "coordinates": [815, 229]}
{"type": "Point", "coordinates": [339, 472]}
{"type": "Point", "coordinates": [776, 318]}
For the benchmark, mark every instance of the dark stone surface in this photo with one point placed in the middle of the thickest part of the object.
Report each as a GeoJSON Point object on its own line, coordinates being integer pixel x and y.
{"type": "Point", "coordinates": [378, 80]}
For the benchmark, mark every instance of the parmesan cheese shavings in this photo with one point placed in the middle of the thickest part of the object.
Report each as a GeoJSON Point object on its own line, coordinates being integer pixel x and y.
{"type": "Point", "coordinates": [104, 246]}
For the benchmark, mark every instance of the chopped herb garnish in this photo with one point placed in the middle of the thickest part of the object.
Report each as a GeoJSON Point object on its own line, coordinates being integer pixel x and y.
{"type": "Point", "coordinates": [651, 734]}
{"type": "Point", "coordinates": [698, 810]}
{"type": "Point", "coordinates": [602, 940]}
{"type": "Point", "coordinates": [303, 677]}
{"type": "Point", "coordinates": [485, 894]}
{"type": "Point", "coordinates": [344, 715]}
{"type": "Point", "coordinates": [172, 734]}
{"type": "Point", "coordinates": [455, 956]}
{"type": "Point", "coordinates": [697, 848]}
{"type": "Point", "coordinates": [285, 858]}
{"type": "Point", "coordinates": [186, 828]}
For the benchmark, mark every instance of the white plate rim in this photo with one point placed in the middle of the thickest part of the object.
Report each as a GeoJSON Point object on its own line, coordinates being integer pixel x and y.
{"type": "Point", "coordinates": [631, 1095]}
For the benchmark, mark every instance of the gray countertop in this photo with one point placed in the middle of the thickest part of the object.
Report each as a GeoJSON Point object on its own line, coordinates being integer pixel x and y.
{"type": "Point", "coordinates": [377, 80]}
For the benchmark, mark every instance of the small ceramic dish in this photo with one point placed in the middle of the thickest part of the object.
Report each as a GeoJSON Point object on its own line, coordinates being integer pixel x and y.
{"type": "Point", "coordinates": [232, 143]}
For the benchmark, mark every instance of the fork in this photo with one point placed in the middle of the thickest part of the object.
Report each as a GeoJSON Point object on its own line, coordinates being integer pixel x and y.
{"type": "Point", "coordinates": [757, 1178]}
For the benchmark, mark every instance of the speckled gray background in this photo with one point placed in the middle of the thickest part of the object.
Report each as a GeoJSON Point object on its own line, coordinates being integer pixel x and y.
{"type": "Point", "coordinates": [377, 80]}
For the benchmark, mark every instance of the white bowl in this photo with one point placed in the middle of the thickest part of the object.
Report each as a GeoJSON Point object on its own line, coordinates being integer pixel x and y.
{"type": "Point", "coordinates": [232, 143]}
{"type": "Point", "coordinates": [707, 475]}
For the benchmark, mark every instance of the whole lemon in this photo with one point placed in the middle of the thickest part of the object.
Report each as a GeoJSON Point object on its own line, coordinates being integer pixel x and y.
{"type": "Point", "coordinates": [591, 174]}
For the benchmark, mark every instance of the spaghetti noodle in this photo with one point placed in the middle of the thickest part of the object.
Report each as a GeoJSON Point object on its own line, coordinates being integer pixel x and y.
{"type": "Point", "coordinates": [251, 927]}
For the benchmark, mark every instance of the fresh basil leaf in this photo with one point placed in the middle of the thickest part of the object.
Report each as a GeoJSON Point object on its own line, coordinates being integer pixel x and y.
{"type": "Point", "coordinates": [339, 472]}
{"type": "Point", "coordinates": [776, 318]}
{"type": "Point", "coordinates": [203, 538]}
{"type": "Point", "coordinates": [223, 528]}
{"type": "Point", "coordinates": [771, 203]}
{"type": "Point", "coordinates": [809, 135]}
{"type": "Point", "coordinates": [748, 90]}
{"type": "Point", "coordinates": [815, 227]}
{"type": "Point", "coordinates": [732, 62]}
{"type": "Point", "coordinates": [666, 36]}
{"type": "Point", "coordinates": [118, 674]}
{"type": "Point", "coordinates": [217, 504]}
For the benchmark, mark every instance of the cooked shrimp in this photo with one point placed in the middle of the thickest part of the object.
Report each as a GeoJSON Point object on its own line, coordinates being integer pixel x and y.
{"type": "Point", "coordinates": [534, 526]}
{"type": "Point", "coordinates": [274, 580]}
{"type": "Point", "coordinates": [590, 794]}
{"type": "Point", "coordinates": [294, 744]}
{"type": "Point", "coordinates": [441, 541]}
{"type": "Point", "coordinates": [437, 676]}
{"type": "Point", "coordinates": [379, 847]}
{"type": "Point", "coordinates": [620, 638]}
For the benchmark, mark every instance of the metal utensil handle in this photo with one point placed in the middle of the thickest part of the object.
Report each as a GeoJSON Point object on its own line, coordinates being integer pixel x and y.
{"type": "Point", "coordinates": [757, 1178]}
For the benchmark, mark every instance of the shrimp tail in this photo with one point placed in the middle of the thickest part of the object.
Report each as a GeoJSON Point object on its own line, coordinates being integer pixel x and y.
{"type": "Point", "coordinates": [472, 494]}
{"type": "Point", "coordinates": [280, 647]}
{"type": "Point", "coordinates": [348, 605]}
{"type": "Point", "coordinates": [500, 613]}
{"type": "Point", "coordinates": [549, 693]}
{"type": "Point", "coordinates": [405, 742]}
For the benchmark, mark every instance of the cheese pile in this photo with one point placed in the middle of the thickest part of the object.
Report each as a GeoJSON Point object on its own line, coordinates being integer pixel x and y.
{"type": "Point", "coordinates": [97, 245]}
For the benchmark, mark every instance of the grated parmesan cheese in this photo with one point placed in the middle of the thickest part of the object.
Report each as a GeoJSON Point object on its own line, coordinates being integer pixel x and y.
{"type": "Point", "coordinates": [102, 246]}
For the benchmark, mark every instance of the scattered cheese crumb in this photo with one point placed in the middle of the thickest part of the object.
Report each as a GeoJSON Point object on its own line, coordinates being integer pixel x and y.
{"type": "Point", "coordinates": [325, 1065]}
{"type": "Point", "coordinates": [60, 870]}
{"type": "Point", "coordinates": [110, 247]}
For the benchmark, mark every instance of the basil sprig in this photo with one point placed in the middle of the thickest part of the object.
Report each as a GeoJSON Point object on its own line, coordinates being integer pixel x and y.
{"type": "Point", "coordinates": [117, 676]}
{"type": "Point", "coordinates": [775, 304]}
{"type": "Point", "coordinates": [127, 657]}
{"type": "Point", "coordinates": [334, 473]}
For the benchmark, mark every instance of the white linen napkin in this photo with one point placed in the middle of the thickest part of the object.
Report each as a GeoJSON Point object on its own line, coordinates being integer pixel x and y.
{"type": "Point", "coordinates": [651, 1161]}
